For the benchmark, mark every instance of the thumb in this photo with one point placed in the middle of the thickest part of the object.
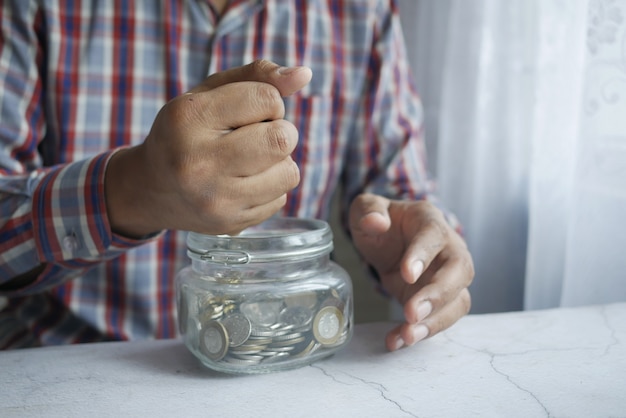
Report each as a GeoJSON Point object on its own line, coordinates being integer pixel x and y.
{"type": "Point", "coordinates": [369, 215]}
{"type": "Point", "coordinates": [287, 80]}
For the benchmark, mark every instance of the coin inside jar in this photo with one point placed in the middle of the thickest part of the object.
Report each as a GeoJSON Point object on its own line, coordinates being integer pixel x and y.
{"type": "Point", "coordinates": [214, 340]}
{"type": "Point", "coordinates": [262, 313]}
{"type": "Point", "coordinates": [238, 328]}
{"type": "Point", "coordinates": [298, 316]}
{"type": "Point", "coordinates": [327, 325]}
{"type": "Point", "coordinates": [305, 299]}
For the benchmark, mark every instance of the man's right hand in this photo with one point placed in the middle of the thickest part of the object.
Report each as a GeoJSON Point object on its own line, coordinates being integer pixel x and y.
{"type": "Point", "coordinates": [217, 159]}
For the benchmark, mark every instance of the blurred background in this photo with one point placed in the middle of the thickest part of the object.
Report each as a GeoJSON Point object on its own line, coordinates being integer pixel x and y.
{"type": "Point", "coordinates": [525, 114]}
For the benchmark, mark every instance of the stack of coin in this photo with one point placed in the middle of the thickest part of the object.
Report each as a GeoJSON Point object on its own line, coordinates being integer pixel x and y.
{"type": "Point", "coordinates": [268, 328]}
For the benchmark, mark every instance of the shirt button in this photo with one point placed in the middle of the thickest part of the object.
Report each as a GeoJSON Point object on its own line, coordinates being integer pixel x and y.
{"type": "Point", "coordinates": [70, 243]}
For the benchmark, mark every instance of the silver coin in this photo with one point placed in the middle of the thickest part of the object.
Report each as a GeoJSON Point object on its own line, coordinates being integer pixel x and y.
{"type": "Point", "coordinates": [262, 314]}
{"type": "Point", "coordinates": [247, 350]}
{"type": "Point", "coordinates": [305, 299]}
{"type": "Point", "coordinates": [333, 301]}
{"type": "Point", "coordinates": [272, 332]}
{"type": "Point", "coordinates": [287, 337]}
{"type": "Point", "coordinates": [285, 343]}
{"type": "Point", "coordinates": [327, 325]}
{"type": "Point", "coordinates": [255, 340]}
{"type": "Point", "coordinates": [238, 327]}
{"type": "Point", "coordinates": [281, 349]}
{"type": "Point", "coordinates": [239, 362]}
{"type": "Point", "coordinates": [252, 357]}
{"type": "Point", "coordinates": [267, 353]}
{"type": "Point", "coordinates": [263, 332]}
{"type": "Point", "coordinates": [298, 316]}
{"type": "Point", "coordinates": [276, 358]}
{"type": "Point", "coordinates": [307, 349]}
{"type": "Point", "coordinates": [214, 340]}
{"type": "Point", "coordinates": [211, 311]}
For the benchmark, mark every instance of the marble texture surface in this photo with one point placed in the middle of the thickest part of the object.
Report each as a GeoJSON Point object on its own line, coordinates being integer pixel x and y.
{"type": "Point", "coordinates": [554, 363]}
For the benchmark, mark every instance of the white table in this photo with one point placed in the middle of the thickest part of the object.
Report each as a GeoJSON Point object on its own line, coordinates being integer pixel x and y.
{"type": "Point", "coordinates": [555, 363]}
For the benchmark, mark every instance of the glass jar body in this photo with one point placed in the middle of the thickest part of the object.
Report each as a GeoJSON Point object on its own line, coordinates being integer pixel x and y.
{"type": "Point", "coordinates": [268, 313]}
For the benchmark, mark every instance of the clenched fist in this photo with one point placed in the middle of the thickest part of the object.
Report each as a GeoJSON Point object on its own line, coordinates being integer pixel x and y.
{"type": "Point", "coordinates": [216, 160]}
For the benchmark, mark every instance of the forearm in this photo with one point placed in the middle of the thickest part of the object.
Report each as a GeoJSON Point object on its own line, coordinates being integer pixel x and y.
{"type": "Point", "coordinates": [56, 226]}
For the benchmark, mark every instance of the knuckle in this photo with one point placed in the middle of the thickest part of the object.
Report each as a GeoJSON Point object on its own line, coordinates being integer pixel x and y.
{"type": "Point", "coordinates": [258, 65]}
{"type": "Point", "coordinates": [175, 112]}
{"type": "Point", "coordinates": [292, 175]}
{"type": "Point", "coordinates": [464, 265]}
{"type": "Point", "coordinates": [280, 136]}
{"type": "Point", "coordinates": [269, 98]}
{"type": "Point", "coordinates": [281, 201]}
{"type": "Point", "coordinates": [437, 298]}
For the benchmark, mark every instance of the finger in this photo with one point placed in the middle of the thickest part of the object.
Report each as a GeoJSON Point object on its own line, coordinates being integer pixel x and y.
{"type": "Point", "coordinates": [432, 236]}
{"type": "Point", "coordinates": [253, 149]}
{"type": "Point", "coordinates": [287, 80]}
{"type": "Point", "coordinates": [394, 340]}
{"type": "Point", "coordinates": [265, 187]}
{"type": "Point", "coordinates": [257, 214]}
{"type": "Point", "coordinates": [237, 104]}
{"type": "Point", "coordinates": [369, 215]}
{"type": "Point", "coordinates": [407, 334]}
{"type": "Point", "coordinates": [453, 274]}
{"type": "Point", "coordinates": [438, 321]}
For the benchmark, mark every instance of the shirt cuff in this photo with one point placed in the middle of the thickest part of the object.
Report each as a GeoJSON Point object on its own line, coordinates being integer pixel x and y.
{"type": "Point", "coordinates": [70, 220]}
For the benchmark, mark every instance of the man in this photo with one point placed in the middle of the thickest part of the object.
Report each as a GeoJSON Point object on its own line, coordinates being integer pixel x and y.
{"type": "Point", "coordinates": [114, 142]}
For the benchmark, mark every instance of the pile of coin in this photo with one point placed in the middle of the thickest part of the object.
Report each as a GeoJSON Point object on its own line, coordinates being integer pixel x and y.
{"type": "Point", "coordinates": [265, 328]}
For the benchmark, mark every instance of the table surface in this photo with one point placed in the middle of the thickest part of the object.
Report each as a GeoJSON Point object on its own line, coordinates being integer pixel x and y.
{"type": "Point", "coordinates": [553, 363]}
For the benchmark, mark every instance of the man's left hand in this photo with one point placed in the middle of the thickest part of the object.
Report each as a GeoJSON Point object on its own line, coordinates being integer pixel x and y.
{"type": "Point", "coordinates": [421, 261]}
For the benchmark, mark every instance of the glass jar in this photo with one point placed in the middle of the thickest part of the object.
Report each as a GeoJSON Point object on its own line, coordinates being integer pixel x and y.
{"type": "Point", "coordinates": [268, 299]}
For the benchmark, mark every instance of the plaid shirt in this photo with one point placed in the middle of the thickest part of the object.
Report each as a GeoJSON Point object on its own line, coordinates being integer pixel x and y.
{"type": "Point", "coordinates": [80, 78]}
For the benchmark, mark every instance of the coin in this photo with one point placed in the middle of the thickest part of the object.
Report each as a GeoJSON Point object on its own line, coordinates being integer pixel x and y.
{"type": "Point", "coordinates": [214, 340]}
{"type": "Point", "coordinates": [327, 325]}
{"type": "Point", "coordinates": [240, 362]}
{"type": "Point", "coordinates": [238, 328]}
{"type": "Point", "coordinates": [306, 299]}
{"type": "Point", "coordinates": [258, 341]}
{"type": "Point", "coordinates": [333, 301]}
{"type": "Point", "coordinates": [286, 343]}
{"type": "Point", "coordinates": [308, 349]}
{"type": "Point", "coordinates": [298, 316]}
{"type": "Point", "coordinates": [211, 311]}
{"type": "Point", "coordinates": [261, 314]}
{"type": "Point", "coordinates": [287, 337]}
{"type": "Point", "coordinates": [278, 357]}
{"type": "Point", "coordinates": [251, 357]}
{"type": "Point", "coordinates": [340, 341]}
{"type": "Point", "coordinates": [245, 349]}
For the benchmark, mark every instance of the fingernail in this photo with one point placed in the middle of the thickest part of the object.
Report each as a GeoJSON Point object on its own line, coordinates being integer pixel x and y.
{"type": "Point", "coordinates": [287, 70]}
{"type": "Point", "coordinates": [418, 269]}
{"type": "Point", "coordinates": [424, 309]}
{"type": "Point", "coordinates": [398, 343]}
{"type": "Point", "coordinates": [420, 332]}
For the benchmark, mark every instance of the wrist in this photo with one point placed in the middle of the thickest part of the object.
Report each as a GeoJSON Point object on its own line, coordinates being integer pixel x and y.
{"type": "Point", "coordinates": [126, 194]}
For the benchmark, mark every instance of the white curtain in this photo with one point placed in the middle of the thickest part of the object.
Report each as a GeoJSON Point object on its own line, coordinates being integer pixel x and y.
{"type": "Point", "coordinates": [525, 104]}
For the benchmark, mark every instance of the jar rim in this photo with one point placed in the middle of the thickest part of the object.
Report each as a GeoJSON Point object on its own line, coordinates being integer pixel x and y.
{"type": "Point", "coordinates": [278, 238]}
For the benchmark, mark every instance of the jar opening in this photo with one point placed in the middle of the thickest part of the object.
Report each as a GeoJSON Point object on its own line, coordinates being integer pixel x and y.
{"type": "Point", "coordinates": [276, 239]}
